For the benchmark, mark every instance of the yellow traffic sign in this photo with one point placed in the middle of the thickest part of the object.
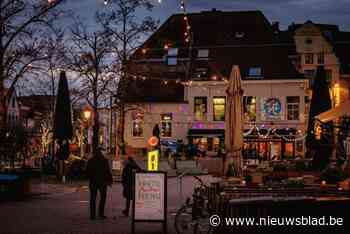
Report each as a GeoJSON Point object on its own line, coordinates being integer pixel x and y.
{"type": "Point", "coordinates": [153, 158]}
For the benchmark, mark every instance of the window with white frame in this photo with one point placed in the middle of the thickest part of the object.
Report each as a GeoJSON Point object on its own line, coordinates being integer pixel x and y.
{"type": "Point", "coordinates": [219, 108]}
{"type": "Point", "coordinates": [172, 56]}
{"type": "Point", "coordinates": [166, 124]}
{"type": "Point", "coordinates": [293, 103]}
{"type": "Point", "coordinates": [309, 58]}
{"type": "Point", "coordinates": [200, 108]}
{"type": "Point", "coordinates": [137, 124]}
{"type": "Point", "coordinates": [249, 108]}
{"type": "Point", "coordinates": [203, 53]}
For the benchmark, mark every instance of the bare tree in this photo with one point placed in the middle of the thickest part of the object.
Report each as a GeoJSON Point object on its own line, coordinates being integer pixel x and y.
{"type": "Point", "coordinates": [89, 57]}
{"type": "Point", "coordinates": [127, 34]}
{"type": "Point", "coordinates": [23, 24]}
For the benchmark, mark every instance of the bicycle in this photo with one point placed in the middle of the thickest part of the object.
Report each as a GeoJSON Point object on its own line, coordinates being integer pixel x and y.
{"type": "Point", "coordinates": [193, 216]}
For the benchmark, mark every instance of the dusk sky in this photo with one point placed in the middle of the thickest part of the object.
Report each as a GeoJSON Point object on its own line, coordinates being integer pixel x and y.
{"type": "Point", "coordinates": [284, 11]}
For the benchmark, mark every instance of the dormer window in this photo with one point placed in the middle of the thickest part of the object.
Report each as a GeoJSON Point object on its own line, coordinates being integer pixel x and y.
{"type": "Point", "coordinates": [255, 72]}
{"type": "Point", "coordinates": [172, 56]}
{"type": "Point", "coordinates": [239, 34]}
{"type": "Point", "coordinates": [203, 53]}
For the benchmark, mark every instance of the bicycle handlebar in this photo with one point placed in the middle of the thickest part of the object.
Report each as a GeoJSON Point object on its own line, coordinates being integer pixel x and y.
{"type": "Point", "coordinates": [200, 181]}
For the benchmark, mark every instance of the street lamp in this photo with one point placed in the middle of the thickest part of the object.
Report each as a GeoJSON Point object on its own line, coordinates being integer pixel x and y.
{"type": "Point", "coordinates": [87, 114]}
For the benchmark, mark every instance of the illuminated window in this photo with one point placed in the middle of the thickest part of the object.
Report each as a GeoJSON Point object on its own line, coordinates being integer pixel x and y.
{"type": "Point", "coordinates": [249, 105]}
{"type": "Point", "coordinates": [166, 125]}
{"type": "Point", "coordinates": [219, 108]}
{"type": "Point", "coordinates": [293, 107]}
{"type": "Point", "coordinates": [309, 58]}
{"type": "Point", "coordinates": [137, 125]}
{"type": "Point", "coordinates": [200, 108]}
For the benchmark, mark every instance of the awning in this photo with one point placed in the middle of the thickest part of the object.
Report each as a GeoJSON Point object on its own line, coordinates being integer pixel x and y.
{"type": "Point", "coordinates": [206, 132]}
{"type": "Point", "coordinates": [342, 110]}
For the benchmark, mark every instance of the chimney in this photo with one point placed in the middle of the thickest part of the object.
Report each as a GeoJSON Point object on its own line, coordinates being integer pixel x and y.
{"type": "Point", "coordinates": [276, 27]}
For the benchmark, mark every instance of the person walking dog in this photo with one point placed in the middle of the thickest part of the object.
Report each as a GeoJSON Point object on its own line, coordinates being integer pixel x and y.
{"type": "Point", "coordinates": [100, 176]}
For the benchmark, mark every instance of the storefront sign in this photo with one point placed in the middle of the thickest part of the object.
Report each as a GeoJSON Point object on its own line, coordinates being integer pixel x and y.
{"type": "Point", "coordinates": [153, 141]}
{"type": "Point", "coordinates": [150, 198]}
{"type": "Point", "coordinates": [153, 159]}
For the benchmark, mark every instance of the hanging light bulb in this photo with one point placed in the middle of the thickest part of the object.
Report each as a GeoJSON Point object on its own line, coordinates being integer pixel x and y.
{"type": "Point", "coordinates": [105, 2]}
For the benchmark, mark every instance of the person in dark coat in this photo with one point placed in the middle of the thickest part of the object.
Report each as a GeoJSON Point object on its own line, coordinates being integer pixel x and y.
{"type": "Point", "coordinates": [100, 176]}
{"type": "Point", "coordinates": [127, 182]}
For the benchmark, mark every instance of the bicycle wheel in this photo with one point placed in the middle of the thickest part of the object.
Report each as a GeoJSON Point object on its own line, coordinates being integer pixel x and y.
{"type": "Point", "coordinates": [183, 220]}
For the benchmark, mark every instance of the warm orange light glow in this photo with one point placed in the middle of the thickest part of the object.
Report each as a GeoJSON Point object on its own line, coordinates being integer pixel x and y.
{"type": "Point", "coordinates": [336, 94]}
{"type": "Point", "coordinates": [87, 114]}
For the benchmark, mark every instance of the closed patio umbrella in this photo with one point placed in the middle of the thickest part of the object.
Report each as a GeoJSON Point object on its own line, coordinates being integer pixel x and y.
{"type": "Point", "coordinates": [234, 121]}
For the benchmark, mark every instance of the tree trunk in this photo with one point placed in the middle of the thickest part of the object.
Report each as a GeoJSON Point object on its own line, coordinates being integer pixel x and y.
{"type": "Point", "coordinates": [121, 126]}
{"type": "Point", "coordinates": [95, 135]}
{"type": "Point", "coordinates": [3, 111]}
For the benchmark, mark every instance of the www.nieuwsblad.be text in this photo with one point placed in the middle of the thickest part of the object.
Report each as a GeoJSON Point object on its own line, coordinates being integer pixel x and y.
{"type": "Point", "coordinates": [216, 221]}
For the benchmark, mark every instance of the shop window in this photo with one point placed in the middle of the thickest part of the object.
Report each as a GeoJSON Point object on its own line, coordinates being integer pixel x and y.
{"type": "Point", "coordinates": [309, 58]}
{"type": "Point", "coordinates": [137, 125]}
{"type": "Point", "coordinates": [200, 108]}
{"type": "Point", "coordinates": [249, 105]}
{"type": "Point", "coordinates": [320, 58]}
{"type": "Point", "coordinates": [166, 125]}
{"type": "Point", "coordinates": [289, 150]}
{"type": "Point", "coordinates": [293, 107]}
{"type": "Point", "coordinates": [219, 108]}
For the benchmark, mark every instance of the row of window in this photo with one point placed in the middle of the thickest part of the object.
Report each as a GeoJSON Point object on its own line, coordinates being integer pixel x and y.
{"type": "Point", "coordinates": [249, 105]}
{"type": "Point", "coordinates": [309, 58]}
{"type": "Point", "coordinates": [219, 105]}
{"type": "Point", "coordinates": [165, 125]}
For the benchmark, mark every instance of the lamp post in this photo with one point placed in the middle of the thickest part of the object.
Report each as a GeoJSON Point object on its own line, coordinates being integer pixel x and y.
{"type": "Point", "coordinates": [87, 114]}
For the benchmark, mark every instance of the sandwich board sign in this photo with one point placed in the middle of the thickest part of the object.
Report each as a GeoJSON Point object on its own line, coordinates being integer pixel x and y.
{"type": "Point", "coordinates": [150, 198]}
{"type": "Point", "coordinates": [153, 159]}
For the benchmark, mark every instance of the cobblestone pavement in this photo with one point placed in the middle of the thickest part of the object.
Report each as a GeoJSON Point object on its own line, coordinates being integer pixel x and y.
{"type": "Point", "coordinates": [64, 209]}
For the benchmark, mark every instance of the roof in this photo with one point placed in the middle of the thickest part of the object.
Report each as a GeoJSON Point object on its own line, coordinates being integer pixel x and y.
{"type": "Point", "coordinates": [36, 104]}
{"type": "Point", "coordinates": [245, 38]}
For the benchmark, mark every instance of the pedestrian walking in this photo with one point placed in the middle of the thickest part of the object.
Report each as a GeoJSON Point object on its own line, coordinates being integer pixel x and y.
{"type": "Point", "coordinates": [100, 176]}
{"type": "Point", "coordinates": [127, 180]}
